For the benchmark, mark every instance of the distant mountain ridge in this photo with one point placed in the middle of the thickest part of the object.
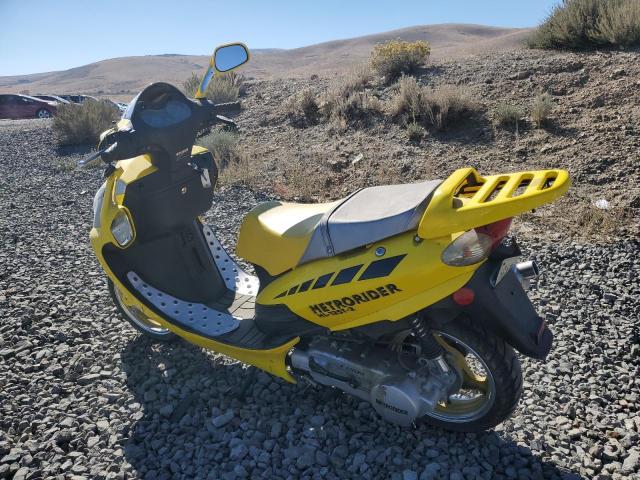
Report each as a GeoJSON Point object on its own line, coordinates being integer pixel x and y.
{"type": "Point", "coordinates": [126, 75]}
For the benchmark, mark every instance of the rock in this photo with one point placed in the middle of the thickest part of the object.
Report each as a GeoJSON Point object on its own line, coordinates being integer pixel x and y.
{"type": "Point", "coordinates": [276, 430]}
{"type": "Point", "coordinates": [222, 420]}
{"type": "Point", "coordinates": [409, 475]}
{"type": "Point", "coordinates": [317, 421]}
{"type": "Point", "coordinates": [239, 452]}
{"type": "Point", "coordinates": [7, 353]}
{"type": "Point", "coordinates": [521, 75]}
{"type": "Point", "coordinates": [166, 410]}
{"type": "Point", "coordinates": [87, 379]}
{"type": "Point", "coordinates": [21, 474]}
{"type": "Point", "coordinates": [631, 464]}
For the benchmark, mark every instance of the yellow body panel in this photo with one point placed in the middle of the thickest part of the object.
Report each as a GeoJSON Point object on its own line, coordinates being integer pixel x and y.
{"type": "Point", "coordinates": [463, 200]}
{"type": "Point", "coordinates": [135, 168]}
{"type": "Point", "coordinates": [275, 235]}
{"type": "Point", "coordinates": [272, 360]}
{"type": "Point", "coordinates": [418, 280]}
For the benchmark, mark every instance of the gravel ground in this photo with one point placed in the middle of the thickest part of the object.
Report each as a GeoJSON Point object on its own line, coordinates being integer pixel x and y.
{"type": "Point", "coordinates": [83, 396]}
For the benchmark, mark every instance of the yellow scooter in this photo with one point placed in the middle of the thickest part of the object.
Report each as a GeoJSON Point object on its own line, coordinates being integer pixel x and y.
{"type": "Point", "coordinates": [406, 296]}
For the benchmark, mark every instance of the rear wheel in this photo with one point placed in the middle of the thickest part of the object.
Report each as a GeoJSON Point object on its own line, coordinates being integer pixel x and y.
{"type": "Point", "coordinates": [139, 320]}
{"type": "Point", "coordinates": [491, 383]}
{"type": "Point", "coordinates": [43, 113]}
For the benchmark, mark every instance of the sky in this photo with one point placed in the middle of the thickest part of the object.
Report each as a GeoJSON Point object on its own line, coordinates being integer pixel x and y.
{"type": "Point", "coordinates": [47, 35]}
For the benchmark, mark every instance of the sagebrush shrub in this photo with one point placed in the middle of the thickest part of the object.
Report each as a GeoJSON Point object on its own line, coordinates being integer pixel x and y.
{"type": "Point", "coordinates": [222, 144]}
{"type": "Point", "coordinates": [541, 109]}
{"type": "Point", "coordinates": [222, 88]}
{"type": "Point", "coordinates": [348, 101]}
{"type": "Point", "coordinates": [415, 132]}
{"type": "Point", "coordinates": [436, 108]}
{"type": "Point", "coordinates": [395, 57]}
{"type": "Point", "coordinates": [303, 109]}
{"type": "Point", "coordinates": [582, 24]}
{"type": "Point", "coordinates": [507, 115]}
{"type": "Point", "coordinates": [82, 124]}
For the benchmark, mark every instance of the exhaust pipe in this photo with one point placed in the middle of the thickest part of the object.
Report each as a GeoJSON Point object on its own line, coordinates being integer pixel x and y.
{"type": "Point", "coordinates": [525, 272]}
{"type": "Point", "coordinates": [528, 269]}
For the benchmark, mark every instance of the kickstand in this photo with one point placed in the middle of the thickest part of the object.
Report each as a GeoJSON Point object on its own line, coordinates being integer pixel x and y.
{"type": "Point", "coordinates": [241, 392]}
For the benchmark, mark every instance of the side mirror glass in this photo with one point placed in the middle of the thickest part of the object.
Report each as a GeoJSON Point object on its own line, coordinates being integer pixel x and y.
{"type": "Point", "coordinates": [224, 59]}
{"type": "Point", "coordinates": [228, 57]}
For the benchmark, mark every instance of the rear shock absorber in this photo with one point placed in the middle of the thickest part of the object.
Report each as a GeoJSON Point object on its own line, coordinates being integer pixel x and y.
{"type": "Point", "coordinates": [431, 349]}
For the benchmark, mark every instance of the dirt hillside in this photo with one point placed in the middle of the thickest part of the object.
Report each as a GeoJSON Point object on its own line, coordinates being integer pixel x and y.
{"type": "Point", "coordinates": [592, 131]}
{"type": "Point", "coordinates": [127, 75]}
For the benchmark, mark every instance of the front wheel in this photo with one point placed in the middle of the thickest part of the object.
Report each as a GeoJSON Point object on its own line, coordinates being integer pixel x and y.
{"type": "Point", "coordinates": [491, 383]}
{"type": "Point", "coordinates": [43, 113]}
{"type": "Point", "coordinates": [139, 320]}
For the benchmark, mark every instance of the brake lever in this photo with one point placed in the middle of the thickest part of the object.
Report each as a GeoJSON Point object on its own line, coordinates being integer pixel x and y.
{"type": "Point", "coordinates": [227, 122]}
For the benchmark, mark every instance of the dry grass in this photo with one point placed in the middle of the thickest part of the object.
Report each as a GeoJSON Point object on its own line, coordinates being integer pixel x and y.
{"type": "Point", "coordinates": [594, 222]}
{"type": "Point", "coordinates": [349, 102]}
{"type": "Point", "coordinates": [304, 178]}
{"type": "Point", "coordinates": [437, 108]}
{"type": "Point", "coordinates": [397, 57]}
{"type": "Point", "coordinates": [82, 124]}
{"type": "Point", "coordinates": [222, 88]}
{"type": "Point", "coordinates": [541, 109]}
{"type": "Point", "coordinates": [241, 170]}
{"type": "Point", "coordinates": [583, 24]}
{"type": "Point", "coordinates": [303, 110]}
{"type": "Point", "coordinates": [507, 115]}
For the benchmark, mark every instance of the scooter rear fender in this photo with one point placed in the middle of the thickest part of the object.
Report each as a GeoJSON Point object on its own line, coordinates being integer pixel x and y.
{"type": "Point", "coordinates": [503, 309]}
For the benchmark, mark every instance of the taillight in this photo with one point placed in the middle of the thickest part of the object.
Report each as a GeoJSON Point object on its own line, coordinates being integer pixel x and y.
{"type": "Point", "coordinates": [496, 230]}
{"type": "Point", "coordinates": [474, 246]}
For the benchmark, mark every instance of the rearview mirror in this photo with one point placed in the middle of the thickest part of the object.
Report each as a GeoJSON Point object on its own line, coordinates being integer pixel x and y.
{"type": "Point", "coordinates": [231, 56]}
{"type": "Point", "coordinates": [224, 59]}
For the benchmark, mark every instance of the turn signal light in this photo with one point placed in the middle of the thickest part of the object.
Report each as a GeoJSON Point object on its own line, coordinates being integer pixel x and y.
{"type": "Point", "coordinates": [469, 248]}
{"type": "Point", "coordinates": [474, 246]}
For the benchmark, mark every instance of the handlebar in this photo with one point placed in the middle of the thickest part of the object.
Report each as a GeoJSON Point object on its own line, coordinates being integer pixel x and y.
{"type": "Point", "coordinates": [117, 144]}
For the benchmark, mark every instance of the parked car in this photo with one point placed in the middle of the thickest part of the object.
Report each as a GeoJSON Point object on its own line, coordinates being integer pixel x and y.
{"type": "Point", "coordinates": [51, 98]}
{"type": "Point", "coordinates": [76, 98]}
{"type": "Point", "coordinates": [24, 106]}
{"type": "Point", "coordinates": [82, 98]}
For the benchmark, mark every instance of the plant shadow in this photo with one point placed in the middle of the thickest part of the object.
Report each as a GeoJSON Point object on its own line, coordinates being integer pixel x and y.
{"type": "Point", "coordinates": [181, 389]}
{"type": "Point", "coordinates": [71, 150]}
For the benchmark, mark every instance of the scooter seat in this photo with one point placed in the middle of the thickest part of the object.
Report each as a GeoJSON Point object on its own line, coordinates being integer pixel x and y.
{"type": "Point", "coordinates": [279, 236]}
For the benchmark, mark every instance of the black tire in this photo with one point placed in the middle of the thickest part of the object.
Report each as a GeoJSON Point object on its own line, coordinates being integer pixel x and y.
{"type": "Point", "coordinates": [164, 337]}
{"type": "Point", "coordinates": [504, 366]}
{"type": "Point", "coordinates": [43, 113]}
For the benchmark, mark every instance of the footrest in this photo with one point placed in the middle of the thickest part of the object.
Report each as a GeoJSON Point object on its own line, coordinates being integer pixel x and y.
{"type": "Point", "coordinates": [235, 278]}
{"type": "Point", "coordinates": [195, 317]}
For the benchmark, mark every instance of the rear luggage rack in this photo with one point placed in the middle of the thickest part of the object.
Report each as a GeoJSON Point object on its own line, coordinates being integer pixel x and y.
{"type": "Point", "coordinates": [466, 200]}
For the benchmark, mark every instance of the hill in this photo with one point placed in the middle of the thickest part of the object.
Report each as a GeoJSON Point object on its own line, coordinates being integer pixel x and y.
{"type": "Point", "coordinates": [127, 75]}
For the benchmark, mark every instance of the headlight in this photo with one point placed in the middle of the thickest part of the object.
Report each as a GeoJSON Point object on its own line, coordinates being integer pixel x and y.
{"type": "Point", "coordinates": [469, 248]}
{"type": "Point", "coordinates": [121, 229]}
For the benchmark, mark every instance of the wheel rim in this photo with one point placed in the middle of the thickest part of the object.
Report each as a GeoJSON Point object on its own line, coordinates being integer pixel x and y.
{"type": "Point", "coordinates": [478, 392]}
{"type": "Point", "coordinates": [43, 114]}
{"type": "Point", "coordinates": [136, 316]}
